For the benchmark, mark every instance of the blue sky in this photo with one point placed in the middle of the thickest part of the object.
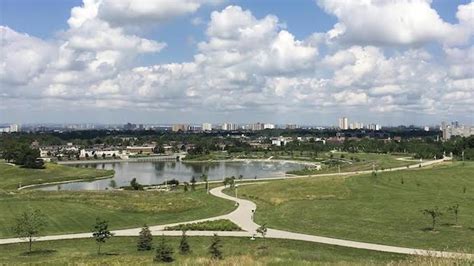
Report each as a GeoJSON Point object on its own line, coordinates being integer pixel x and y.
{"type": "Point", "coordinates": [317, 81]}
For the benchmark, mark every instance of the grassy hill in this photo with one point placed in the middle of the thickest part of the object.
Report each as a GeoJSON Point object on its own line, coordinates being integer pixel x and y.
{"type": "Point", "coordinates": [382, 209]}
{"type": "Point", "coordinates": [11, 176]}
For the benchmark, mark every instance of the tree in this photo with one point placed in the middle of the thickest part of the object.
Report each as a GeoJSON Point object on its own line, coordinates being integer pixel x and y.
{"type": "Point", "coordinates": [145, 239]}
{"type": "Point", "coordinates": [205, 178]}
{"type": "Point", "coordinates": [263, 231]}
{"type": "Point", "coordinates": [455, 210]}
{"type": "Point", "coordinates": [28, 225]}
{"type": "Point", "coordinates": [434, 213]}
{"type": "Point", "coordinates": [135, 185]}
{"type": "Point", "coordinates": [193, 183]}
{"type": "Point", "coordinates": [164, 253]}
{"type": "Point", "coordinates": [215, 248]}
{"type": "Point", "coordinates": [184, 247]}
{"type": "Point", "coordinates": [101, 232]}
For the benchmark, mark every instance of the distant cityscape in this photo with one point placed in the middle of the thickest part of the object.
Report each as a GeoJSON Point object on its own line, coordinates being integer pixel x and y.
{"type": "Point", "coordinates": [344, 124]}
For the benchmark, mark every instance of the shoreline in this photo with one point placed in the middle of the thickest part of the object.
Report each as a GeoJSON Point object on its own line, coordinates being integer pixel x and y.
{"type": "Point", "coordinates": [64, 182]}
{"type": "Point", "coordinates": [313, 164]}
{"type": "Point", "coordinates": [167, 158]}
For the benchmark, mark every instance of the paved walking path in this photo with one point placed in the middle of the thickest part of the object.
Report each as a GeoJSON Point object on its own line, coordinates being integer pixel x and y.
{"type": "Point", "coordinates": [243, 217]}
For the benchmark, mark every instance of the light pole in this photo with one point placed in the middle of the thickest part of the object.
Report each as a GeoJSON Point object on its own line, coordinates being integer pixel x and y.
{"type": "Point", "coordinates": [235, 189]}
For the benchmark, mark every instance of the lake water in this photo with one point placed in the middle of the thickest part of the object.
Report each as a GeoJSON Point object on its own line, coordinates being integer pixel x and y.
{"type": "Point", "coordinates": [148, 173]}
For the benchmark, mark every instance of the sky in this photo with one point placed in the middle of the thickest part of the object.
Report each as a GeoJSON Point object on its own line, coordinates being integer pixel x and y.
{"type": "Point", "coordinates": [276, 61]}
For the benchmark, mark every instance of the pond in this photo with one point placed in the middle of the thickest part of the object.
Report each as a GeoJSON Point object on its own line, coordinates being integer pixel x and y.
{"type": "Point", "coordinates": [157, 172]}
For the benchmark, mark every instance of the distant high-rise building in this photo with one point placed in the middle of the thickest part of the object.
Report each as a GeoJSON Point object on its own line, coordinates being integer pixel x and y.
{"type": "Point", "coordinates": [291, 126]}
{"type": "Point", "coordinates": [129, 126]}
{"type": "Point", "coordinates": [344, 123]}
{"type": "Point", "coordinates": [456, 130]}
{"type": "Point", "coordinates": [229, 126]}
{"type": "Point", "coordinates": [268, 126]}
{"type": "Point", "coordinates": [375, 127]}
{"type": "Point", "coordinates": [206, 127]}
{"type": "Point", "coordinates": [180, 127]}
{"type": "Point", "coordinates": [14, 128]}
{"type": "Point", "coordinates": [257, 126]}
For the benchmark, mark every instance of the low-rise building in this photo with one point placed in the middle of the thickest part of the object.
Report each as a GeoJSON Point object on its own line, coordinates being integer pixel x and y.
{"type": "Point", "coordinates": [281, 141]}
{"type": "Point", "coordinates": [99, 154]}
{"type": "Point", "coordinates": [140, 149]}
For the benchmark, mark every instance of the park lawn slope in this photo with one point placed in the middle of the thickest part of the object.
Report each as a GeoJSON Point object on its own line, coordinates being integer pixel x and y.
{"type": "Point", "coordinates": [76, 211]}
{"type": "Point", "coordinates": [236, 251]}
{"type": "Point", "coordinates": [11, 176]}
{"type": "Point", "coordinates": [384, 209]}
{"type": "Point", "coordinates": [352, 162]}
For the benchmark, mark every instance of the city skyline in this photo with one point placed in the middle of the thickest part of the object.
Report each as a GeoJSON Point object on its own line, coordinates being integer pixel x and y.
{"type": "Point", "coordinates": [240, 61]}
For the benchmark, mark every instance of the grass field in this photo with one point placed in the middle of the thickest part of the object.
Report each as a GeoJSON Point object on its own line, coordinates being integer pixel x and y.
{"type": "Point", "coordinates": [383, 209]}
{"type": "Point", "coordinates": [350, 162]}
{"type": "Point", "coordinates": [12, 176]}
{"type": "Point", "coordinates": [236, 251]}
{"type": "Point", "coordinates": [76, 211]}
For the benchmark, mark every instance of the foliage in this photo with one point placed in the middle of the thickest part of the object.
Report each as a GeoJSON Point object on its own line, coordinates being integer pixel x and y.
{"type": "Point", "coordinates": [184, 247]}
{"type": "Point", "coordinates": [262, 230]}
{"type": "Point", "coordinates": [215, 249]}
{"type": "Point", "coordinates": [205, 178]}
{"type": "Point", "coordinates": [164, 252]}
{"type": "Point", "coordinates": [135, 185]}
{"type": "Point", "coordinates": [22, 155]}
{"type": "Point", "coordinates": [101, 232]}
{"type": "Point", "coordinates": [28, 225]}
{"type": "Point", "coordinates": [434, 213]}
{"type": "Point", "coordinates": [145, 239]}
{"type": "Point", "coordinates": [215, 225]}
{"type": "Point", "coordinates": [193, 183]}
{"type": "Point", "coordinates": [455, 210]}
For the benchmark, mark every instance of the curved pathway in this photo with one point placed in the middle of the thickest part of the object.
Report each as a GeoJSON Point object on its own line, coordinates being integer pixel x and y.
{"type": "Point", "coordinates": [243, 217]}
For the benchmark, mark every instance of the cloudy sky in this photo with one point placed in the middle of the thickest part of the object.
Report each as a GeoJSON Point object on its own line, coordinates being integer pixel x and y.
{"type": "Point", "coordinates": [301, 61]}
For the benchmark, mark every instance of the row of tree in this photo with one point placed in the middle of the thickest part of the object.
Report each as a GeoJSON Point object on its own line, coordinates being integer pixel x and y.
{"type": "Point", "coordinates": [30, 223]}
{"type": "Point", "coordinates": [22, 154]}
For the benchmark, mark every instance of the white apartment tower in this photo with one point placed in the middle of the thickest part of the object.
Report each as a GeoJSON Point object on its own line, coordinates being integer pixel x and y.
{"type": "Point", "coordinates": [206, 127]}
{"type": "Point", "coordinates": [343, 123]}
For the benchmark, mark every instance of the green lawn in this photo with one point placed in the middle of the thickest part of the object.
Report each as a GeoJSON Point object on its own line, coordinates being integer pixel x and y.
{"type": "Point", "coordinates": [12, 176]}
{"type": "Point", "coordinates": [236, 251]}
{"type": "Point", "coordinates": [76, 211]}
{"type": "Point", "coordinates": [350, 162]}
{"type": "Point", "coordinates": [384, 209]}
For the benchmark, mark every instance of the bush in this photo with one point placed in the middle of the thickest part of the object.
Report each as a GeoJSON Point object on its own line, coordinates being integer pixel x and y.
{"type": "Point", "coordinates": [145, 239]}
{"type": "Point", "coordinates": [217, 225]}
{"type": "Point", "coordinates": [215, 248]}
{"type": "Point", "coordinates": [164, 253]}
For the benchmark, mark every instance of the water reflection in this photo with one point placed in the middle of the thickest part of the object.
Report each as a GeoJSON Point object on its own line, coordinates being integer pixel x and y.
{"type": "Point", "coordinates": [158, 172]}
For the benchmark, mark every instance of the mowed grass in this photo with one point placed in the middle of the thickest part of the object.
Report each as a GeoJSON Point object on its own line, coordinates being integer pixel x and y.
{"type": "Point", "coordinates": [236, 251]}
{"type": "Point", "coordinates": [384, 209]}
{"type": "Point", "coordinates": [11, 176]}
{"type": "Point", "coordinates": [76, 211]}
{"type": "Point", "coordinates": [351, 162]}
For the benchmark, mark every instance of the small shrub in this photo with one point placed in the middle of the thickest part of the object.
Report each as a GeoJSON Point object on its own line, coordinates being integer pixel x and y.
{"type": "Point", "coordinates": [164, 253]}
